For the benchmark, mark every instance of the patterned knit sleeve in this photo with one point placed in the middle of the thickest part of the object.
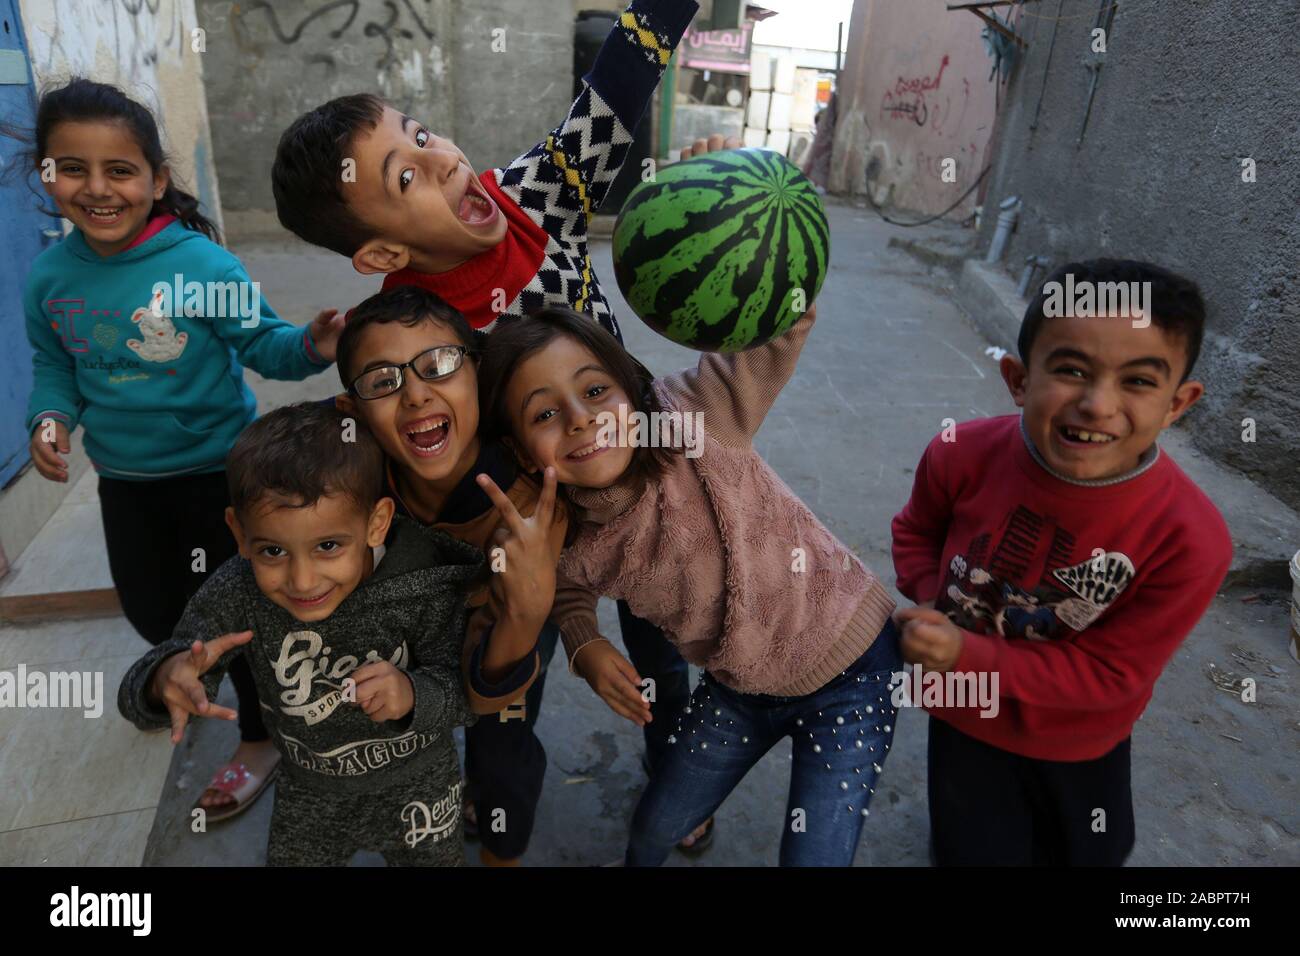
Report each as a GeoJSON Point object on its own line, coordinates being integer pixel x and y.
{"type": "Point", "coordinates": [733, 392]}
{"type": "Point", "coordinates": [562, 180]}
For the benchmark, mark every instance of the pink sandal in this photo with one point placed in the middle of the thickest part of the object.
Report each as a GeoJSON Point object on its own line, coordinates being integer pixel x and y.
{"type": "Point", "coordinates": [236, 780]}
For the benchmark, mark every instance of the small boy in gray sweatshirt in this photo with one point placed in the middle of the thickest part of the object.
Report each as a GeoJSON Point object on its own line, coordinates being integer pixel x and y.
{"type": "Point", "coordinates": [358, 659]}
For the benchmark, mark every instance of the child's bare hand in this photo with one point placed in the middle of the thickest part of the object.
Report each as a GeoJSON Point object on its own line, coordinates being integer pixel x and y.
{"type": "Point", "coordinates": [711, 145]}
{"type": "Point", "coordinates": [176, 682]}
{"type": "Point", "coordinates": [523, 589]}
{"type": "Point", "coordinates": [383, 691]}
{"type": "Point", "coordinates": [612, 676]}
{"type": "Point", "coordinates": [46, 455]}
{"type": "Point", "coordinates": [929, 638]}
{"type": "Point", "coordinates": [325, 331]}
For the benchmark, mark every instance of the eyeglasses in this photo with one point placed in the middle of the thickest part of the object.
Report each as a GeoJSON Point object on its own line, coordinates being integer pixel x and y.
{"type": "Point", "coordinates": [438, 362]}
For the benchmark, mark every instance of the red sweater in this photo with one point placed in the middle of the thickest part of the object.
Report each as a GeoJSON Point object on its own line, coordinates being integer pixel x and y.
{"type": "Point", "coordinates": [1075, 596]}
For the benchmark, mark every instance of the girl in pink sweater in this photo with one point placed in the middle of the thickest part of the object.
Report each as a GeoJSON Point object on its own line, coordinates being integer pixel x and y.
{"type": "Point", "coordinates": [678, 515]}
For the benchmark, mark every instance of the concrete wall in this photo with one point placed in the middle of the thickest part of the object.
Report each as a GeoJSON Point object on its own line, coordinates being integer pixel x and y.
{"type": "Point", "coordinates": [915, 90]}
{"type": "Point", "coordinates": [1186, 91]}
{"type": "Point", "coordinates": [145, 48]}
{"type": "Point", "coordinates": [267, 64]}
{"type": "Point", "coordinates": [434, 59]}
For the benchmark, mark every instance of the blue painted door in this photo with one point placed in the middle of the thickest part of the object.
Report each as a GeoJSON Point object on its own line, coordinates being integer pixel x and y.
{"type": "Point", "coordinates": [24, 232]}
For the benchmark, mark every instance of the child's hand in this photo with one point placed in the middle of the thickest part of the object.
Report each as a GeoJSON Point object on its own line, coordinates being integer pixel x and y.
{"type": "Point", "coordinates": [325, 331]}
{"type": "Point", "coordinates": [45, 456]}
{"type": "Point", "coordinates": [176, 682]}
{"type": "Point", "coordinates": [612, 676]}
{"type": "Point", "coordinates": [523, 591]}
{"type": "Point", "coordinates": [929, 638]}
{"type": "Point", "coordinates": [714, 143]}
{"type": "Point", "coordinates": [383, 691]}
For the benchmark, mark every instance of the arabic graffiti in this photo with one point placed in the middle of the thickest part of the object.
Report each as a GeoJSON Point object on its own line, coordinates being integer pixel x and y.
{"type": "Point", "coordinates": [907, 100]}
{"type": "Point", "coordinates": [389, 31]}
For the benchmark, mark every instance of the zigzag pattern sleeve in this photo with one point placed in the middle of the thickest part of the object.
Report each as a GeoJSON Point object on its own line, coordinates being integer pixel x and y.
{"type": "Point", "coordinates": [563, 180]}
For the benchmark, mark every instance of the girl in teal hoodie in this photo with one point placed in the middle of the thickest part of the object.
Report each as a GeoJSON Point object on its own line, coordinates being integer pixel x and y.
{"type": "Point", "coordinates": [141, 326]}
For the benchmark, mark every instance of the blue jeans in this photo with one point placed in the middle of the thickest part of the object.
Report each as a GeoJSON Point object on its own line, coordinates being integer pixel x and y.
{"type": "Point", "coordinates": [841, 732]}
{"type": "Point", "coordinates": [653, 655]}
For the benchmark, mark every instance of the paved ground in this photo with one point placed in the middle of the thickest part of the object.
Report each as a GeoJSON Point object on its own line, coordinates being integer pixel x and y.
{"type": "Point", "coordinates": [1215, 779]}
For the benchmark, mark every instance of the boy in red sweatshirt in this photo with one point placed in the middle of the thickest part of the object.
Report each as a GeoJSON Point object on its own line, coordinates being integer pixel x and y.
{"type": "Point", "coordinates": [1060, 557]}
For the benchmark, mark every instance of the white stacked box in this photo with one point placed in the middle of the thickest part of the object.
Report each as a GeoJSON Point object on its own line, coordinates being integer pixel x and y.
{"type": "Point", "coordinates": [801, 141]}
{"type": "Point", "coordinates": [755, 137]}
{"type": "Point", "coordinates": [760, 102]}
{"type": "Point", "coordinates": [804, 112]}
{"type": "Point", "coordinates": [783, 75]}
{"type": "Point", "coordinates": [778, 116]}
{"type": "Point", "coordinates": [760, 71]}
{"type": "Point", "coordinates": [779, 140]}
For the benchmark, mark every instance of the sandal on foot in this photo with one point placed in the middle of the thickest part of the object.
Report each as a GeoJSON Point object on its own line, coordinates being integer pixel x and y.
{"type": "Point", "coordinates": [239, 782]}
{"type": "Point", "coordinates": [703, 843]}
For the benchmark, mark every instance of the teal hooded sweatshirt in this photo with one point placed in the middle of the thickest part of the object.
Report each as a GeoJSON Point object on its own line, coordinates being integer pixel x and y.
{"type": "Point", "coordinates": [146, 349]}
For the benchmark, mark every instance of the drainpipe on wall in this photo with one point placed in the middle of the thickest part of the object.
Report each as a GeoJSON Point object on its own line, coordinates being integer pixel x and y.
{"type": "Point", "coordinates": [1007, 219]}
{"type": "Point", "coordinates": [1032, 265]}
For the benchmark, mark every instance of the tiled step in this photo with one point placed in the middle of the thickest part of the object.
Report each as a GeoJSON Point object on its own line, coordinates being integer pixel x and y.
{"type": "Point", "coordinates": [78, 790]}
{"type": "Point", "coordinates": [63, 573]}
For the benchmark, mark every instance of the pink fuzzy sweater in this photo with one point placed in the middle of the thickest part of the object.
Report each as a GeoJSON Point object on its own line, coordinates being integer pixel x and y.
{"type": "Point", "coordinates": [718, 552]}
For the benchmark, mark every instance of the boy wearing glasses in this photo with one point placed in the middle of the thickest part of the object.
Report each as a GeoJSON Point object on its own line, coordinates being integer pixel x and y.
{"type": "Point", "coordinates": [406, 358]}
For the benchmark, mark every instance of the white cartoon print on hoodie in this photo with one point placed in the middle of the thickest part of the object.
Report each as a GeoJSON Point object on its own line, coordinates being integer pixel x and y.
{"type": "Point", "coordinates": [159, 341]}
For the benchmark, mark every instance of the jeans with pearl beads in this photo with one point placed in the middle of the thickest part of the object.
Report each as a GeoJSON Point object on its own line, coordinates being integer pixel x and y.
{"type": "Point", "coordinates": [841, 735]}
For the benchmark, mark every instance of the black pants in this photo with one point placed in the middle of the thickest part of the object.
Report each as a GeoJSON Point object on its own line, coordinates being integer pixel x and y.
{"type": "Point", "coordinates": [505, 762]}
{"type": "Point", "coordinates": [152, 529]}
{"type": "Point", "coordinates": [990, 807]}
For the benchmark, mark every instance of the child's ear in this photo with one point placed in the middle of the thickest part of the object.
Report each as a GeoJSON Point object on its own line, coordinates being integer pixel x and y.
{"type": "Point", "coordinates": [232, 522]}
{"type": "Point", "coordinates": [378, 256]}
{"type": "Point", "coordinates": [1185, 396]}
{"type": "Point", "coordinates": [521, 456]}
{"type": "Point", "coordinates": [162, 178]}
{"type": "Point", "coordinates": [1016, 376]}
{"type": "Point", "coordinates": [381, 516]}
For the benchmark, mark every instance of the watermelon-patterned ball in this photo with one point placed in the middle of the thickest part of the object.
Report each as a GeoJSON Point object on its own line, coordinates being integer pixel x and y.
{"type": "Point", "coordinates": [724, 251]}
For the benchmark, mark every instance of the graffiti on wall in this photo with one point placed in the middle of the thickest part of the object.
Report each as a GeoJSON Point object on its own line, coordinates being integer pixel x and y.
{"type": "Point", "coordinates": [388, 22]}
{"type": "Point", "coordinates": [923, 101]}
{"type": "Point", "coordinates": [69, 36]}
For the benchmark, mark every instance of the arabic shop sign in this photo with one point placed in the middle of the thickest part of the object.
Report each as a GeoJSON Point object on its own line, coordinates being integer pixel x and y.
{"type": "Point", "coordinates": [725, 50]}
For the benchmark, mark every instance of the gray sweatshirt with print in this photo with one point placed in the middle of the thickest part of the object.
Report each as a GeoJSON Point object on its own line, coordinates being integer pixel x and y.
{"type": "Point", "coordinates": [410, 611]}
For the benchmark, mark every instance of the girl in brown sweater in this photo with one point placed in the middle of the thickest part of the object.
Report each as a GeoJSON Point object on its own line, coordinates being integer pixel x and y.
{"type": "Point", "coordinates": [678, 515]}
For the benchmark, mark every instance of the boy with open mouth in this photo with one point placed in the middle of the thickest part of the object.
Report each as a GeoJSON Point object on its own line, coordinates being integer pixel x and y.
{"type": "Point", "coordinates": [1062, 551]}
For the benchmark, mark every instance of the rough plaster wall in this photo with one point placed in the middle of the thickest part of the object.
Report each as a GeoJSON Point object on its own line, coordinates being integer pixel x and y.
{"type": "Point", "coordinates": [510, 100]}
{"type": "Point", "coordinates": [145, 48]}
{"type": "Point", "coordinates": [1186, 91]}
{"type": "Point", "coordinates": [268, 63]}
{"type": "Point", "coordinates": [915, 91]}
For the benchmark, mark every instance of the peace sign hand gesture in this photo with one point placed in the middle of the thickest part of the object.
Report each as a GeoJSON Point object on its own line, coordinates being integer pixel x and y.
{"type": "Point", "coordinates": [522, 558]}
{"type": "Point", "coordinates": [176, 682]}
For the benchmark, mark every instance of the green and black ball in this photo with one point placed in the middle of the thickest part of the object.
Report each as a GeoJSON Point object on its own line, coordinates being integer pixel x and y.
{"type": "Point", "coordinates": [724, 251]}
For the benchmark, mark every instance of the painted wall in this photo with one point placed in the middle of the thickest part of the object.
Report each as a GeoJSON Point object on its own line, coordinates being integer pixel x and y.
{"type": "Point", "coordinates": [433, 59]}
{"type": "Point", "coordinates": [1185, 93]}
{"type": "Point", "coordinates": [915, 91]}
{"type": "Point", "coordinates": [145, 48]}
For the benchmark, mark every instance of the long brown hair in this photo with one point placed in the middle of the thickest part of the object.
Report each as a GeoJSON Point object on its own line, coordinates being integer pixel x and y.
{"type": "Point", "coordinates": [514, 339]}
{"type": "Point", "coordinates": [81, 100]}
